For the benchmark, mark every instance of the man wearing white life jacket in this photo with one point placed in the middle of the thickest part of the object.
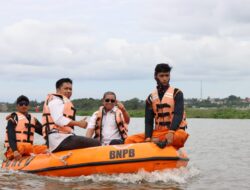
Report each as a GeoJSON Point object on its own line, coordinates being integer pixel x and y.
{"type": "Point", "coordinates": [110, 122]}
{"type": "Point", "coordinates": [165, 120]}
{"type": "Point", "coordinates": [59, 120]}
{"type": "Point", "coordinates": [20, 132]}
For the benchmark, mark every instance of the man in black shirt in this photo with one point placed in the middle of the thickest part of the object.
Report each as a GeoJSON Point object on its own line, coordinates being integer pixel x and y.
{"type": "Point", "coordinates": [20, 131]}
{"type": "Point", "coordinates": [165, 120]}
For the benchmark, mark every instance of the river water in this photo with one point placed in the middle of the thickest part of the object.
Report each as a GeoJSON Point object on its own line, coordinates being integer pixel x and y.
{"type": "Point", "coordinates": [219, 159]}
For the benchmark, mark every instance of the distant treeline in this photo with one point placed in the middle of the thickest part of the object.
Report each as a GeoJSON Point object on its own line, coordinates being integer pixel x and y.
{"type": "Point", "coordinates": [228, 102]}
{"type": "Point", "coordinates": [84, 105]}
{"type": "Point", "coordinates": [218, 113]}
{"type": "Point", "coordinates": [231, 107]}
{"type": "Point", "coordinates": [87, 106]}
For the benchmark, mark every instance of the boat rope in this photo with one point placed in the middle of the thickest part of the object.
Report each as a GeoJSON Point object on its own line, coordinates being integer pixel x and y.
{"type": "Point", "coordinates": [61, 158]}
{"type": "Point", "coordinates": [32, 156]}
{"type": "Point", "coordinates": [27, 162]}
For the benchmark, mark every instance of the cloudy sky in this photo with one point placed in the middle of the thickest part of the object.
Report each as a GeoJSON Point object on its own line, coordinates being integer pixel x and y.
{"type": "Point", "coordinates": [115, 44]}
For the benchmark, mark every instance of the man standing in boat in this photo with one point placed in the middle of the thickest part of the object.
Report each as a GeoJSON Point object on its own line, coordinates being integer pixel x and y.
{"type": "Point", "coordinates": [110, 122]}
{"type": "Point", "coordinates": [165, 121]}
{"type": "Point", "coordinates": [20, 132]}
{"type": "Point", "coordinates": [59, 120]}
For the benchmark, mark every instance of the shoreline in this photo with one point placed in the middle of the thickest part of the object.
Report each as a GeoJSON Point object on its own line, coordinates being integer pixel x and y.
{"type": "Point", "coordinates": [203, 113]}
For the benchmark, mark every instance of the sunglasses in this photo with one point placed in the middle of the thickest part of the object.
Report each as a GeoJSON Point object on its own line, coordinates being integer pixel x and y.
{"type": "Point", "coordinates": [23, 103]}
{"type": "Point", "coordinates": [110, 100]}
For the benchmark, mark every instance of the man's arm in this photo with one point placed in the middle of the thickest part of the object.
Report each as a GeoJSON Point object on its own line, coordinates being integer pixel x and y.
{"type": "Point", "coordinates": [178, 110]}
{"type": "Point", "coordinates": [124, 112]}
{"type": "Point", "coordinates": [91, 125]}
{"type": "Point", "coordinates": [149, 119]}
{"type": "Point", "coordinates": [38, 127]}
{"type": "Point", "coordinates": [56, 107]}
{"type": "Point", "coordinates": [90, 132]}
{"type": "Point", "coordinates": [11, 135]}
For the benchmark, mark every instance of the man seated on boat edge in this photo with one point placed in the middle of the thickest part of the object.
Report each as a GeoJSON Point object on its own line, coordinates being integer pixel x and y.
{"type": "Point", "coordinates": [109, 124]}
{"type": "Point", "coordinates": [20, 131]}
{"type": "Point", "coordinates": [59, 120]}
{"type": "Point", "coordinates": [165, 106]}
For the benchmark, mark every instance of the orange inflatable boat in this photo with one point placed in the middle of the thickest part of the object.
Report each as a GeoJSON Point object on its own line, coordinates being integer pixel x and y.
{"type": "Point", "coordinates": [106, 159]}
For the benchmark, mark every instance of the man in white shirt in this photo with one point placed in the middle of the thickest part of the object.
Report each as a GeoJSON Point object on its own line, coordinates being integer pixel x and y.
{"type": "Point", "coordinates": [59, 120]}
{"type": "Point", "coordinates": [109, 123]}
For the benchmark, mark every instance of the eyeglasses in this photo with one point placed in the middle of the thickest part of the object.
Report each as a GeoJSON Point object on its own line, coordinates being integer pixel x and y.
{"type": "Point", "coordinates": [23, 103]}
{"type": "Point", "coordinates": [110, 100]}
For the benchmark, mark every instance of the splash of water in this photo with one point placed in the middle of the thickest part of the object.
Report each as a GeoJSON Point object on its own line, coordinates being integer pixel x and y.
{"type": "Point", "coordinates": [180, 176]}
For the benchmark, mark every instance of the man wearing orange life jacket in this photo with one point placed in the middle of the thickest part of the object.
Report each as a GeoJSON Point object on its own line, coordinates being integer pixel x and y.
{"type": "Point", "coordinates": [164, 112]}
{"type": "Point", "coordinates": [20, 132]}
{"type": "Point", "coordinates": [59, 120]}
{"type": "Point", "coordinates": [109, 123]}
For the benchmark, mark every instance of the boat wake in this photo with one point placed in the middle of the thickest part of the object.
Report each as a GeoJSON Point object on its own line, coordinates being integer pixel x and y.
{"type": "Point", "coordinates": [180, 176]}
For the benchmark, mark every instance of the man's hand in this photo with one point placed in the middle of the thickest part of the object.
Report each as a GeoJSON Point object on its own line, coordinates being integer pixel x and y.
{"type": "Point", "coordinates": [124, 111]}
{"type": "Point", "coordinates": [148, 139]}
{"type": "Point", "coordinates": [120, 105]}
{"type": "Point", "coordinates": [17, 155]}
{"type": "Point", "coordinates": [170, 137]}
{"type": "Point", "coordinates": [8, 117]}
{"type": "Point", "coordinates": [83, 123]}
{"type": "Point", "coordinates": [155, 139]}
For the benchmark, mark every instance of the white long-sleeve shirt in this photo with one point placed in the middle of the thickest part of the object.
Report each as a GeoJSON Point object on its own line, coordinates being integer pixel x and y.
{"type": "Point", "coordinates": [56, 108]}
{"type": "Point", "coordinates": [109, 126]}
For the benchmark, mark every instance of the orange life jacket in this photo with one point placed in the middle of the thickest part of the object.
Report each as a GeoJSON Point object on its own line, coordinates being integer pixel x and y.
{"type": "Point", "coordinates": [164, 109]}
{"type": "Point", "coordinates": [49, 125]}
{"type": "Point", "coordinates": [24, 129]}
{"type": "Point", "coordinates": [120, 123]}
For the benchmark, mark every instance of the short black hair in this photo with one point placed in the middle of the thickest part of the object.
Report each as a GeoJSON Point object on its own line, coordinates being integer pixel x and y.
{"type": "Point", "coordinates": [60, 82]}
{"type": "Point", "coordinates": [22, 98]}
{"type": "Point", "coordinates": [108, 93]}
{"type": "Point", "coordinates": [162, 67]}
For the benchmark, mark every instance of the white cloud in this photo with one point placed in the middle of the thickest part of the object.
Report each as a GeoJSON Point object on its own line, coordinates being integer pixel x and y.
{"type": "Point", "coordinates": [98, 43]}
{"type": "Point", "coordinates": [124, 40]}
{"type": "Point", "coordinates": [34, 48]}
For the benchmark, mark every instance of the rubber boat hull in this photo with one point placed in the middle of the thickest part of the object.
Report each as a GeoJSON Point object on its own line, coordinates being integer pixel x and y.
{"type": "Point", "coordinates": [106, 160]}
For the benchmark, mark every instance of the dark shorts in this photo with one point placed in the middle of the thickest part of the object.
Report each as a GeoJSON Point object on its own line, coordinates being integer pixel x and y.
{"type": "Point", "coordinates": [76, 142]}
{"type": "Point", "coordinates": [116, 141]}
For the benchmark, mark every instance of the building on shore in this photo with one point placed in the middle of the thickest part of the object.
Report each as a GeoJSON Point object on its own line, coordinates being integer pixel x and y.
{"type": "Point", "coordinates": [3, 107]}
